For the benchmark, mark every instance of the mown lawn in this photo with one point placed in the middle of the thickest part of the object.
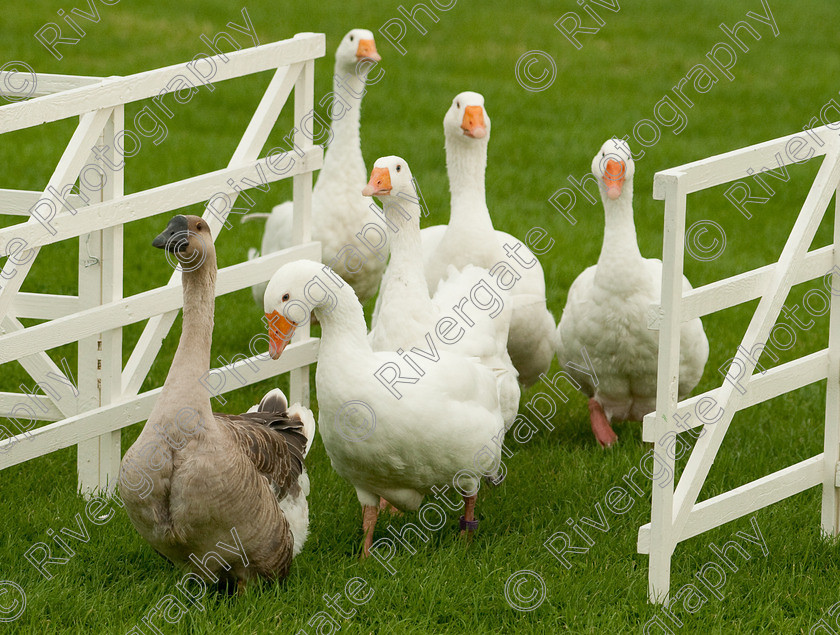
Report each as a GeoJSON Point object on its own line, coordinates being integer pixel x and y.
{"type": "Point", "coordinates": [538, 139]}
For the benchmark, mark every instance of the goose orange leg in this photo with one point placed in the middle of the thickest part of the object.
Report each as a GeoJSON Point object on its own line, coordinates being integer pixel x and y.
{"type": "Point", "coordinates": [600, 425]}
{"type": "Point", "coordinates": [468, 522]}
{"type": "Point", "coordinates": [369, 516]}
{"type": "Point", "coordinates": [386, 506]}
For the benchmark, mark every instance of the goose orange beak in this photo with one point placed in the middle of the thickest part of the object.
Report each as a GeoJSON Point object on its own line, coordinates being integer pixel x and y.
{"type": "Point", "coordinates": [280, 331]}
{"type": "Point", "coordinates": [473, 122]}
{"type": "Point", "coordinates": [367, 49]}
{"type": "Point", "coordinates": [614, 178]}
{"type": "Point", "coordinates": [379, 184]}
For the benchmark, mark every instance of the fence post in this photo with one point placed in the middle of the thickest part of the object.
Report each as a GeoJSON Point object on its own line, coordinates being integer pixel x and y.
{"type": "Point", "coordinates": [103, 398]}
{"type": "Point", "coordinates": [302, 214]}
{"type": "Point", "coordinates": [831, 450]}
{"type": "Point", "coordinates": [662, 538]}
{"type": "Point", "coordinates": [100, 282]}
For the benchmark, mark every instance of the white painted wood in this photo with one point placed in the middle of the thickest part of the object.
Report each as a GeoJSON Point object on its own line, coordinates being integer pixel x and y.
{"type": "Point", "coordinates": [302, 183]}
{"type": "Point", "coordinates": [43, 370]}
{"type": "Point", "coordinates": [41, 405]}
{"type": "Point", "coordinates": [249, 147]}
{"type": "Point", "coordinates": [265, 116]}
{"type": "Point", "coordinates": [771, 284]}
{"type": "Point", "coordinates": [150, 340]}
{"type": "Point", "coordinates": [142, 306]}
{"type": "Point", "coordinates": [114, 91]}
{"type": "Point", "coordinates": [746, 499]}
{"type": "Point", "coordinates": [126, 412]}
{"type": "Point", "coordinates": [148, 203]}
{"type": "Point", "coordinates": [667, 389]}
{"type": "Point", "coordinates": [43, 306]}
{"type": "Point", "coordinates": [760, 387]}
{"type": "Point", "coordinates": [830, 512]}
{"type": "Point", "coordinates": [48, 83]}
{"type": "Point", "coordinates": [247, 150]}
{"type": "Point", "coordinates": [66, 172]}
{"type": "Point", "coordinates": [729, 292]}
{"type": "Point", "coordinates": [731, 166]}
{"type": "Point", "coordinates": [90, 296]}
{"type": "Point", "coordinates": [758, 330]}
{"type": "Point", "coordinates": [100, 356]}
{"type": "Point", "coordinates": [302, 213]}
{"type": "Point", "coordinates": [146, 350]}
{"type": "Point", "coordinates": [19, 202]}
{"type": "Point", "coordinates": [107, 400]}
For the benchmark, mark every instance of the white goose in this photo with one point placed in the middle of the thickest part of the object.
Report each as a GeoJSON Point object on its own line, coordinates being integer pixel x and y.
{"type": "Point", "coordinates": [339, 211]}
{"type": "Point", "coordinates": [470, 239]}
{"type": "Point", "coordinates": [406, 314]}
{"type": "Point", "coordinates": [606, 312]}
{"type": "Point", "coordinates": [387, 447]}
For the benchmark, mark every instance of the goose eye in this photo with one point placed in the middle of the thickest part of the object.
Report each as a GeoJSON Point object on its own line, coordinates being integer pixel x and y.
{"type": "Point", "coordinates": [351, 38]}
{"type": "Point", "coordinates": [398, 168]}
{"type": "Point", "coordinates": [457, 104]}
{"type": "Point", "coordinates": [285, 297]}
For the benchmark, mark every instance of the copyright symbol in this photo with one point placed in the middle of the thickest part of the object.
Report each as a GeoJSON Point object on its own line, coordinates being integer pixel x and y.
{"type": "Point", "coordinates": [19, 81]}
{"type": "Point", "coordinates": [539, 78]}
{"type": "Point", "coordinates": [525, 590]}
{"type": "Point", "coordinates": [190, 262]}
{"type": "Point", "coordinates": [703, 247]}
{"type": "Point", "coordinates": [355, 421]}
{"type": "Point", "coordinates": [11, 608]}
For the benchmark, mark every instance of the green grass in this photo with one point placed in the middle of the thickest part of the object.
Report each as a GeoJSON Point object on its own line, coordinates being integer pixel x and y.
{"type": "Point", "coordinates": [537, 140]}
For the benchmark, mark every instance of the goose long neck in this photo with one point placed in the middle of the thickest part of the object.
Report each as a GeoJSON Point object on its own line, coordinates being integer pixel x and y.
{"type": "Point", "coordinates": [184, 402]}
{"type": "Point", "coordinates": [466, 163]}
{"type": "Point", "coordinates": [407, 282]}
{"type": "Point", "coordinates": [344, 154]}
{"type": "Point", "coordinates": [343, 327]}
{"type": "Point", "coordinates": [620, 246]}
{"type": "Point", "coordinates": [192, 359]}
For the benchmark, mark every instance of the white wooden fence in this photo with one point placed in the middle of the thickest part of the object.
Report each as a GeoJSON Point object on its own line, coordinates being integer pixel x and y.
{"type": "Point", "coordinates": [107, 398]}
{"type": "Point", "coordinates": [675, 513]}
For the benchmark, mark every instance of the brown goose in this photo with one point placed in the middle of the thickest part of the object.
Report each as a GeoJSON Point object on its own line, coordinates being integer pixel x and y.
{"type": "Point", "coordinates": [223, 496]}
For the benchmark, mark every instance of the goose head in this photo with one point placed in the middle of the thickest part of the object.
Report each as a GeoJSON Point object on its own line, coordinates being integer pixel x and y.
{"type": "Point", "coordinates": [296, 290]}
{"type": "Point", "coordinates": [356, 46]}
{"type": "Point", "coordinates": [188, 239]}
{"type": "Point", "coordinates": [467, 119]}
{"type": "Point", "coordinates": [613, 166]}
{"type": "Point", "coordinates": [390, 177]}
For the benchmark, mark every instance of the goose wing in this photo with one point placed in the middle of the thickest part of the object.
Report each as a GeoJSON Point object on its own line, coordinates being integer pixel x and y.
{"type": "Point", "coordinates": [274, 442]}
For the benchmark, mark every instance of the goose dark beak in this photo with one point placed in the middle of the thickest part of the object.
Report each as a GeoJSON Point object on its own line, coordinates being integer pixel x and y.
{"type": "Point", "coordinates": [174, 237]}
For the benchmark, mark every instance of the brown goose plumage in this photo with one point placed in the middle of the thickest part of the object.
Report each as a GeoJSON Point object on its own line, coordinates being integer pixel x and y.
{"type": "Point", "coordinates": [194, 479]}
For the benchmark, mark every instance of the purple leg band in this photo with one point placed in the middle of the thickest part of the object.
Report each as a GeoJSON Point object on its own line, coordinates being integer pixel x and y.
{"type": "Point", "coordinates": [469, 525]}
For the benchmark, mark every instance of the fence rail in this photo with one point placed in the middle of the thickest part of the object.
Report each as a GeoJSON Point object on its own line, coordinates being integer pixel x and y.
{"type": "Point", "coordinates": [675, 513]}
{"type": "Point", "coordinates": [106, 398]}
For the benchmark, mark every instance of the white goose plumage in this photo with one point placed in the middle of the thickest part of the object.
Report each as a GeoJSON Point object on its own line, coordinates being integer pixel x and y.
{"type": "Point", "coordinates": [406, 315]}
{"type": "Point", "coordinates": [339, 211]}
{"type": "Point", "coordinates": [469, 238]}
{"type": "Point", "coordinates": [606, 312]}
{"type": "Point", "coordinates": [396, 449]}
